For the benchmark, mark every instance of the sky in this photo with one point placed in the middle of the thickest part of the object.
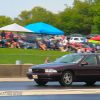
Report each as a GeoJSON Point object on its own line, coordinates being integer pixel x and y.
{"type": "Point", "coordinates": [12, 8]}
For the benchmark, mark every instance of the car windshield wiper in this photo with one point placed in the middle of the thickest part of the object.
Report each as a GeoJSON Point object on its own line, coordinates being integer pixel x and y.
{"type": "Point", "coordinates": [64, 62]}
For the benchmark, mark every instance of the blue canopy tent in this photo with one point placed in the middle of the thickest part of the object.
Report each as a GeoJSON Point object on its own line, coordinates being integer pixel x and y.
{"type": "Point", "coordinates": [44, 28]}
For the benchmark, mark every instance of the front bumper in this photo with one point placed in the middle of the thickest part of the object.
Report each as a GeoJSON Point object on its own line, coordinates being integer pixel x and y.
{"type": "Point", "coordinates": [46, 76]}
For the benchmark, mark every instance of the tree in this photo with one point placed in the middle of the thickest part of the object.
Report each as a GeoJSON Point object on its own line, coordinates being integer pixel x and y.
{"type": "Point", "coordinates": [96, 18]}
{"type": "Point", "coordinates": [5, 21]}
{"type": "Point", "coordinates": [38, 14]}
{"type": "Point", "coordinates": [78, 19]}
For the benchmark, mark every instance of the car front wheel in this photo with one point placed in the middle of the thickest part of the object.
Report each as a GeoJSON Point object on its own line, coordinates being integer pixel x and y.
{"type": "Point", "coordinates": [66, 78]}
{"type": "Point", "coordinates": [41, 82]}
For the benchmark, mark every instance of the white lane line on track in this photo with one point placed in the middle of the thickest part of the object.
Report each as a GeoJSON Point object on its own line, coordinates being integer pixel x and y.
{"type": "Point", "coordinates": [48, 92]}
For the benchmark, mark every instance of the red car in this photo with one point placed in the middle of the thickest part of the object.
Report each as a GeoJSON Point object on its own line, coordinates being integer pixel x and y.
{"type": "Point", "coordinates": [8, 33]}
{"type": "Point", "coordinates": [76, 45]}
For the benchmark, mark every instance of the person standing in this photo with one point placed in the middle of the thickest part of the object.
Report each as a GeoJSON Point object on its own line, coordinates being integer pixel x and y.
{"type": "Point", "coordinates": [65, 41]}
{"type": "Point", "coordinates": [46, 40]}
{"type": "Point", "coordinates": [47, 60]}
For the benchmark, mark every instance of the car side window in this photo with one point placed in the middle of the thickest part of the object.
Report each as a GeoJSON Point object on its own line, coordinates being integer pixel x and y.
{"type": "Point", "coordinates": [76, 39]}
{"type": "Point", "coordinates": [91, 59]}
{"type": "Point", "coordinates": [99, 57]}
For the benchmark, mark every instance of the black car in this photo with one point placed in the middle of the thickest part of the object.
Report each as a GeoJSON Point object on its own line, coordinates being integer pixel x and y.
{"type": "Point", "coordinates": [75, 67]}
{"type": "Point", "coordinates": [92, 45]}
{"type": "Point", "coordinates": [74, 35]}
{"type": "Point", "coordinates": [91, 35]}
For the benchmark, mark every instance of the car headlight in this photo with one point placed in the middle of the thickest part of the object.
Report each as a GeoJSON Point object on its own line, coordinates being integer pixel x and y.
{"type": "Point", "coordinates": [30, 70]}
{"type": "Point", "coordinates": [50, 71]}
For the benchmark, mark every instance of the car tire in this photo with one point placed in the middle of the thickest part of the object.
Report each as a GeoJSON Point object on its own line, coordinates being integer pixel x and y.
{"type": "Point", "coordinates": [90, 83]}
{"type": "Point", "coordinates": [66, 78]}
{"type": "Point", "coordinates": [41, 82]}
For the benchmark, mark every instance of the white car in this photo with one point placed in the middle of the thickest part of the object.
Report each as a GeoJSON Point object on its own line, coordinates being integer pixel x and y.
{"type": "Point", "coordinates": [76, 39]}
{"type": "Point", "coordinates": [59, 37]}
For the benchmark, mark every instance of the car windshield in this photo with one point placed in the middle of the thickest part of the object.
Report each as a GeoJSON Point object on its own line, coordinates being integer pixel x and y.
{"type": "Point", "coordinates": [70, 58]}
{"type": "Point", "coordinates": [82, 39]}
{"type": "Point", "coordinates": [93, 35]}
{"type": "Point", "coordinates": [83, 46]}
{"type": "Point", "coordinates": [76, 35]}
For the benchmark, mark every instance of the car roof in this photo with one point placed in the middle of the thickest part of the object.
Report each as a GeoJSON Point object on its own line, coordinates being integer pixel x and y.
{"type": "Point", "coordinates": [77, 37]}
{"type": "Point", "coordinates": [86, 53]}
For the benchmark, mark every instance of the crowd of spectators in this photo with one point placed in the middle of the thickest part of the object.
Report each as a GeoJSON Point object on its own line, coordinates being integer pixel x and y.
{"type": "Point", "coordinates": [13, 41]}
{"type": "Point", "coordinates": [62, 45]}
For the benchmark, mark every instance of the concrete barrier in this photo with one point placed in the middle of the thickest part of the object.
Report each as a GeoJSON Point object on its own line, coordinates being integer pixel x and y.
{"type": "Point", "coordinates": [14, 70]}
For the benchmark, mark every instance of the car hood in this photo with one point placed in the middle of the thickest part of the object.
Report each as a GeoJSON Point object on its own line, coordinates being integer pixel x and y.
{"type": "Point", "coordinates": [51, 65]}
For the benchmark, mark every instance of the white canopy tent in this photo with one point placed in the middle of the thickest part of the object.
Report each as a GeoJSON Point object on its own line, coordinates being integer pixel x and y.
{"type": "Point", "coordinates": [15, 28]}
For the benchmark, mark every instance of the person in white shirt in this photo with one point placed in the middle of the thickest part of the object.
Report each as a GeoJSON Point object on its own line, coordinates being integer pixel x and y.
{"type": "Point", "coordinates": [61, 45]}
{"type": "Point", "coordinates": [65, 41]}
{"type": "Point", "coordinates": [45, 38]}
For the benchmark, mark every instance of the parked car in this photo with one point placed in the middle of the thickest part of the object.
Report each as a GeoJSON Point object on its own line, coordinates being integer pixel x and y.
{"type": "Point", "coordinates": [75, 67]}
{"type": "Point", "coordinates": [31, 38]}
{"type": "Point", "coordinates": [74, 35]}
{"type": "Point", "coordinates": [22, 36]}
{"type": "Point", "coordinates": [58, 37]}
{"type": "Point", "coordinates": [76, 39]}
{"type": "Point", "coordinates": [91, 35]}
{"type": "Point", "coordinates": [90, 44]}
{"type": "Point", "coordinates": [8, 33]}
{"type": "Point", "coordinates": [88, 48]}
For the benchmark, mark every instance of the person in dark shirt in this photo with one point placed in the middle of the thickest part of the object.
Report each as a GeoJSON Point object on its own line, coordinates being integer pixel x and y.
{"type": "Point", "coordinates": [4, 40]}
{"type": "Point", "coordinates": [3, 34]}
{"type": "Point", "coordinates": [11, 37]}
{"type": "Point", "coordinates": [47, 60]}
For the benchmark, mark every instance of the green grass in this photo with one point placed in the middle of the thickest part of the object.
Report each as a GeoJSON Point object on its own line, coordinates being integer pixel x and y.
{"type": "Point", "coordinates": [34, 56]}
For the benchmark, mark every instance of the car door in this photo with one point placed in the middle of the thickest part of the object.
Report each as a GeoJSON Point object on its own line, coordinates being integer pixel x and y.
{"type": "Point", "coordinates": [89, 71]}
{"type": "Point", "coordinates": [98, 69]}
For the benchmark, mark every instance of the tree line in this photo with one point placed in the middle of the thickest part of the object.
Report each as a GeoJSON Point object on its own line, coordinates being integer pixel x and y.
{"type": "Point", "coordinates": [83, 17]}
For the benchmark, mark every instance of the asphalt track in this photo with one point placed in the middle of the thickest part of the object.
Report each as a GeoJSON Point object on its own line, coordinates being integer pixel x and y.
{"type": "Point", "coordinates": [24, 89]}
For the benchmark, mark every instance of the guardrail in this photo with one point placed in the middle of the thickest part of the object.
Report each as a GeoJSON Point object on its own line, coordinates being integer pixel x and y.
{"type": "Point", "coordinates": [7, 71]}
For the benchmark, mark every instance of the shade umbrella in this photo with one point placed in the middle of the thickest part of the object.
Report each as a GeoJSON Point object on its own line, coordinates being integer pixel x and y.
{"type": "Point", "coordinates": [15, 28]}
{"type": "Point", "coordinates": [97, 38]}
{"type": "Point", "coordinates": [44, 28]}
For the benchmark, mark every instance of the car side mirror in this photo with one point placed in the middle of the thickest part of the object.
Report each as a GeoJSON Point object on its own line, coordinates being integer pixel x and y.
{"type": "Point", "coordinates": [84, 63]}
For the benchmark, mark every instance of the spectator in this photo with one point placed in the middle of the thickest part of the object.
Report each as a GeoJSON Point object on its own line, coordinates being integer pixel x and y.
{"type": "Point", "coordinates": [63, 37]}
{"type": "Point", "coordinates": [3, 34]}
{"type": "Point", "coordinates": [46, 40]}
{"type": "Point", "coordinates": [65, 41]}
{"type": "Point", "coordinates": [15, 41]}
{"type": "Point", "coordinates": [3, 40]}
{"type": "Point", "coordinates": [60, 45]}
{"type": "Point", "coordinates": [79, 50]}
{"type": "Point", "coordinates": [85, 50]}
{"type": "Point", "coordinates": [98, 50]}
{"type": "Point", "coordinates": [56, 47]}
{"type": "Point", "coordinates": [5, 43]}
{"type": "Point", "coordinates": [43, 46]}
{"type": "Point", "coordinates": [47, 60]}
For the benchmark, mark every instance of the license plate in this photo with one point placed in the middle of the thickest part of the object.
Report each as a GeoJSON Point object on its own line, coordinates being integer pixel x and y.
{"type": "Point", "coordinates": [35, 76]}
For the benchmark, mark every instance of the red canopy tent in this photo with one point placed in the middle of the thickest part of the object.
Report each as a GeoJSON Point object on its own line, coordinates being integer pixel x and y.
{"type": "Point", "coordinates": [97, 38]}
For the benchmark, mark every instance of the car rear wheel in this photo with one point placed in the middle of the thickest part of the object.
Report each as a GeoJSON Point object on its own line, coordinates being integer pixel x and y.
{"type": "Point", "coordinates": [90, 83]}
{"type": "Point", "coordinates": [41, 82]}
{"type": "Point", "coordinates": [66, 78]}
